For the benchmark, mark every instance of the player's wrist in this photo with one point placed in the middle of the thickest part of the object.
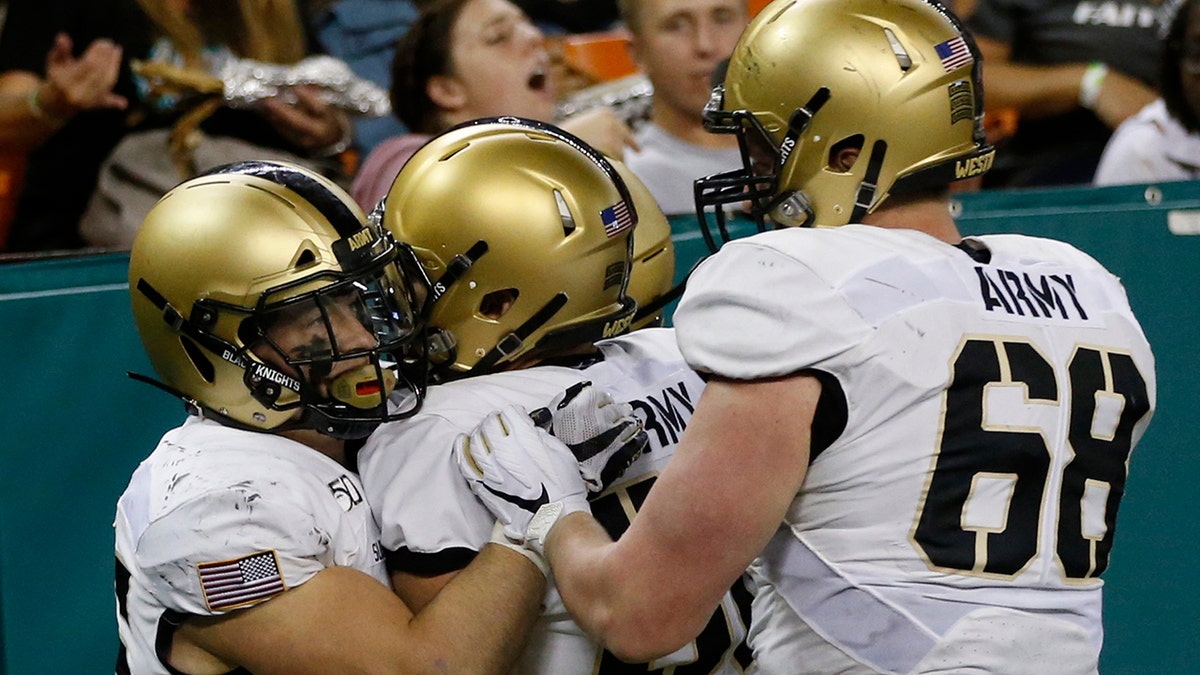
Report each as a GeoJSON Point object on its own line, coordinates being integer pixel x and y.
{"type": "Point", "coordinates": [547, 517]}
{"type": "Point", "coordinates": [500, 539]}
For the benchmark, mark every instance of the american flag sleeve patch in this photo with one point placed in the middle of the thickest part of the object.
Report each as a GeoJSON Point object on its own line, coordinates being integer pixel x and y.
{"type": "Point", "coordinates": [616, 218]}
{"type": "Point", "coordinates": [239, 582]}
{"type": "Point", "coordinates": [954, 53]}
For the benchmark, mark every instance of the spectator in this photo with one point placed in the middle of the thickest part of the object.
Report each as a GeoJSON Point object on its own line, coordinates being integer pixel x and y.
{"type": "Point", "coordinates": [678, 44]}
{"type": "Point", "coordinates": [1073, 71]}
{"type": "Point", "coordinates": [1162, 142]}
{"type": "Point", "coordinates": [67, 87]}
{"type": "Point", "coordinates": [467, 59]}
{"type": "Point", "coordinates": [62, 171]}
{"type": "Point", "coordinates": [364, 33]}
{"type": "Point", "coordinates": [199, 35]}
{"type": "Point", "coordinates": [32, 109]}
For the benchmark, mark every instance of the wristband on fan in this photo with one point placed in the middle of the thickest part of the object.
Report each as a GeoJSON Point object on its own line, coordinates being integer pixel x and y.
{"type": "Point", "coordinates": [534, 557]}
{"type": "Point", "coordinates": [543, 521]}
{"type": "Point", "coordinates": [38, 111]}
{"type": "Point", "coordinates": [1091, 83]}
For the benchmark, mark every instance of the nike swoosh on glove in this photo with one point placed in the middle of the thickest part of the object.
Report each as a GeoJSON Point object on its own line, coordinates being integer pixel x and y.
{"type": "Point", "coordinates": [605, 436]}
{"type": "Point", "coordinates": [518, 470]}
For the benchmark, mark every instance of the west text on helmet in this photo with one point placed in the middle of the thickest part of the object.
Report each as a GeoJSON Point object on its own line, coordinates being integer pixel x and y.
{"type": "Point", "coordinates": [973, 166]}
{"type": "Point", "coordinates": [617, 327]}
{"type": "Point", "coordinates": [1039, 296]}
{"type": "Point", "coordinates": [785, 149]}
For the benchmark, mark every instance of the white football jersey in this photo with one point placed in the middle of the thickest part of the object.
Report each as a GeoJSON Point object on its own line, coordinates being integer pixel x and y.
{"type": "Point", "coordinates": [217, 519]}
{"type": "Point", "coordinates": [962, 518]}
{"type": "Point", "coordinates": [432, 522]}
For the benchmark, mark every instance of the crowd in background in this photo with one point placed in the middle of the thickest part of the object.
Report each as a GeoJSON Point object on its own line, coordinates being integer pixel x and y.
{"type": "Point", "coordinates": [74, 89]}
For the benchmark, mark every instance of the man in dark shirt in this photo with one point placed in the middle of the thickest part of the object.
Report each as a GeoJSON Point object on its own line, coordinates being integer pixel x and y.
{"type": "Point", "coordinates": [1073, 70]}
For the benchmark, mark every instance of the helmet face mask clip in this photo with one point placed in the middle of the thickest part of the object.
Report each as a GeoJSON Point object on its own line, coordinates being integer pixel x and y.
{"type": "Point", "coordinates": [756, 184]}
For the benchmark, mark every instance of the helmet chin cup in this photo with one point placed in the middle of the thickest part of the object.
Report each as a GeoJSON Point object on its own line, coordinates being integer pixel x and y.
{"type": "Point", "coordinates": [364, 387]}
{"type": "Point", "coordinates": [794, 210]}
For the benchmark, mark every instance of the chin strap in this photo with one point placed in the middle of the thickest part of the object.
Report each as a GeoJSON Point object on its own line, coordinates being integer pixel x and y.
{"type": "Point", "coordinates": [192, 405]}
{"type": "Point", "coordinates": [658, 303]}
{"type": "Point", "coordinates": [455, 269]}
{"type": "Point", "coordinates": [196, 408]}
{"type": "Point", "coordinates": [870, 183]}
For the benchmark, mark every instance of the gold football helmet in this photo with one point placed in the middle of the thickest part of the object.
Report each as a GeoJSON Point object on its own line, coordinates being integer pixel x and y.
{"type": "Point", "coordinates": [651, 279]}
{"type": "Point", "coordinates": [897, 79]}
{"type": "Point", "coordinates": [266, 300]}
{"type": "Point", "coordinates": [526, 235]}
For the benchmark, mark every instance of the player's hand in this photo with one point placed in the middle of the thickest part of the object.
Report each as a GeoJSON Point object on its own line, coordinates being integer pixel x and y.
{"type": "Point", "coordinates": [604, 435]}
{"type": "Point", "coordinates": [518, 470]}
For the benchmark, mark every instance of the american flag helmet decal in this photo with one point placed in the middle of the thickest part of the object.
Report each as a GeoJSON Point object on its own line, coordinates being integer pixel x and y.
{"type": "Point", "coordinates": [616, 218]}
{"type": "Point", "coordinates": [954, 53]}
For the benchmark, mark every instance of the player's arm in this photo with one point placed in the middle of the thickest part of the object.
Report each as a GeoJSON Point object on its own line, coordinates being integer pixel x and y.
{"type": "Point", "coordinates": [713, 509]}
{"type": "Point", "coordinates": [342, 620]}
{"type": "Point", "coordinates": [417, 590]}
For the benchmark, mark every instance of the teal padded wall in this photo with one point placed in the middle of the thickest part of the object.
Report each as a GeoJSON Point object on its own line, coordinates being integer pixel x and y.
{"type": "Point", "coordinates": [690, 248]}
{"type": "Point", "coordinates": [75, 427]}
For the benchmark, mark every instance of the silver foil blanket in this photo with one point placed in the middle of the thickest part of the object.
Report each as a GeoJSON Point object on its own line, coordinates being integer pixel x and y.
{"type": "Point", "coordinates": [247, 82]}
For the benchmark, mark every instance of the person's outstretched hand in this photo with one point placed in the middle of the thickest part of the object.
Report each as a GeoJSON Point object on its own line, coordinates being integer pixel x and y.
{"type": "Point", "coordinates": [77, 84]}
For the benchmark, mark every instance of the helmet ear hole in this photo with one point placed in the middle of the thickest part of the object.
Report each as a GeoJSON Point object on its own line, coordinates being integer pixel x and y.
{"type": "Point", "coordinates": [199, 361]}
{"type": "Point", "coordinates": [844, 153]}
{"type": "Point", "coordinates": [497, 303]}
{"type": "Point", "coordinates": [306, 258]}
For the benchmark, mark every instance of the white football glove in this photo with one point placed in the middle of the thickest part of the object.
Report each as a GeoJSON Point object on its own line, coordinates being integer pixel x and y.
{"type": "Point", "coordinates": [604, 435]}
{"type": "Point", "coordinates": [518, 471]}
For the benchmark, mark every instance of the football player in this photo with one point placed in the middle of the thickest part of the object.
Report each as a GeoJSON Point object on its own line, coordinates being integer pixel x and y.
{"type": "Point", "coordinates": [920, 441]}
{"type": "Point", "coordinates": [268, 303]}
{"type": "Point", "coordinates": [525, 233]}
